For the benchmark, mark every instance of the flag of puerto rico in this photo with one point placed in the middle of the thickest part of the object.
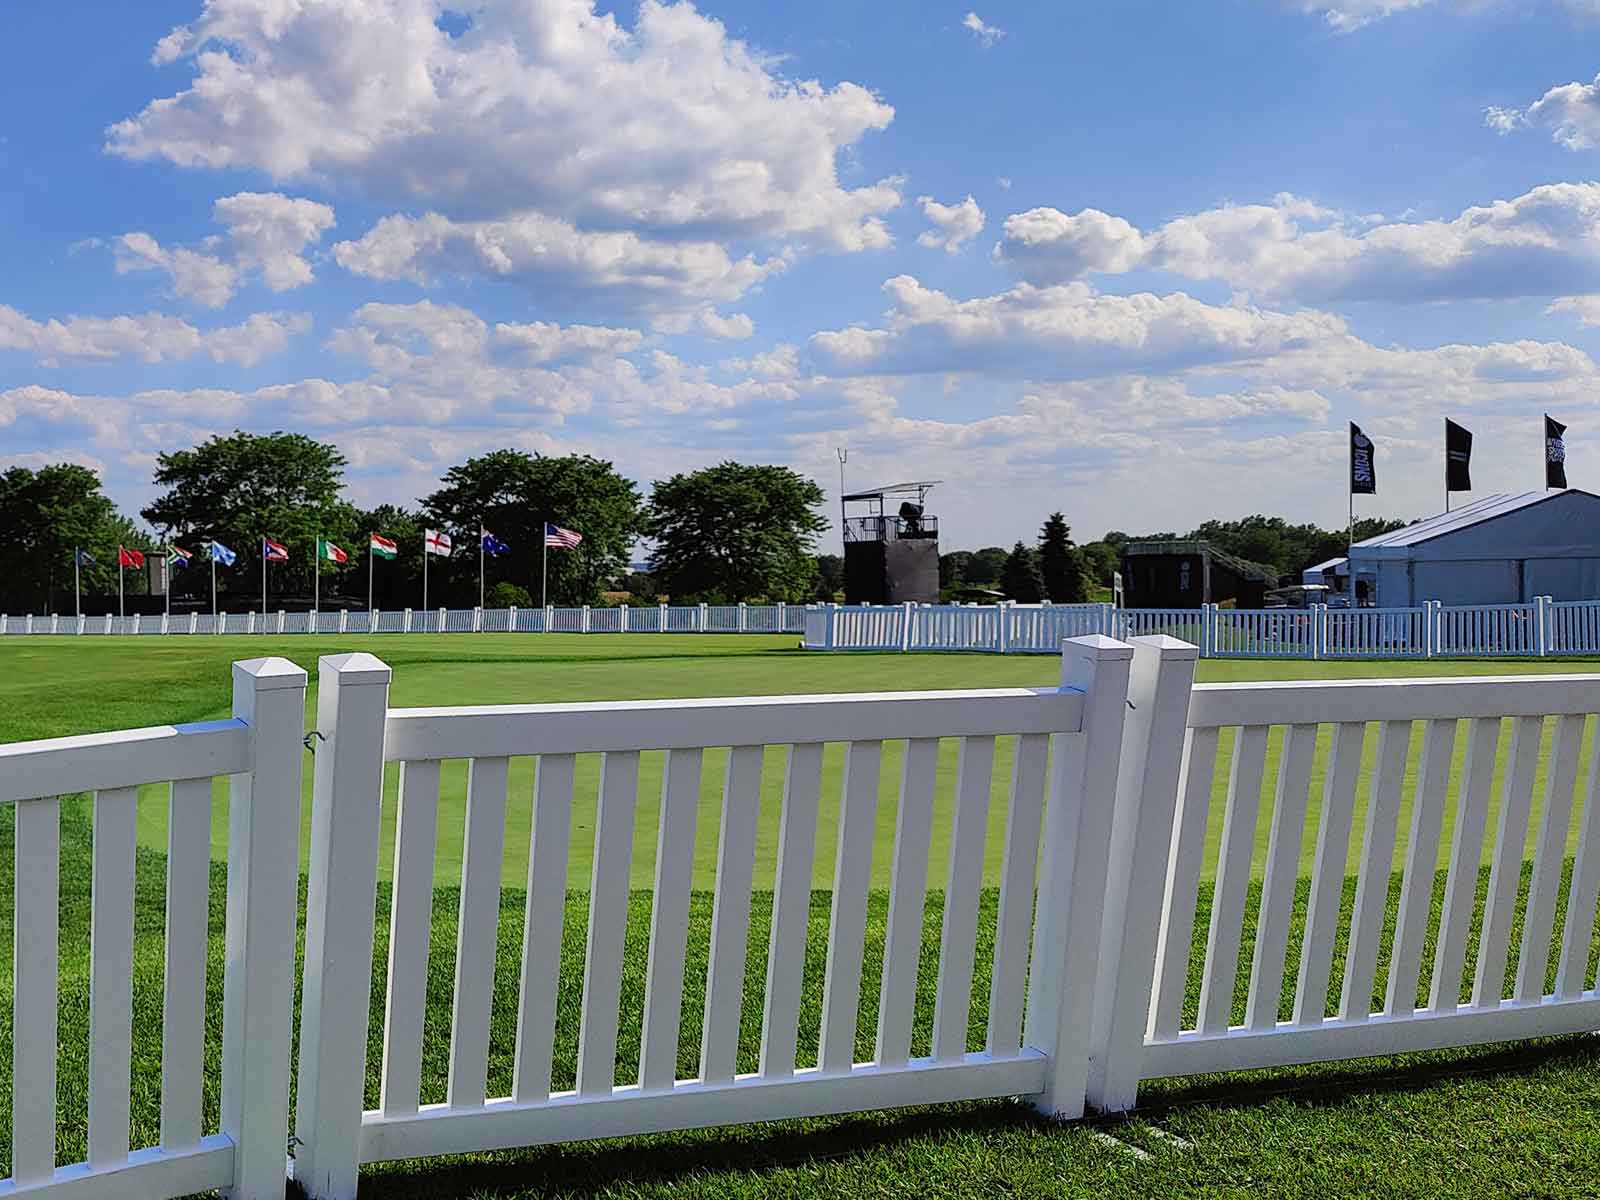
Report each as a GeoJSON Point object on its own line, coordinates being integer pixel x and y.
{"type": "Point", "coordinates": [272, 552]}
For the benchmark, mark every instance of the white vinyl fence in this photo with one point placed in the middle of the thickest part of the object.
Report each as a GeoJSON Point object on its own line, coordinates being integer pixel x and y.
{"type": "Point", "coordinates": [1543, 627]}
{"type": "Point", "coordinates": [1117, 775]}
{"type": "Point", "coordinates": [662, 618]}
{"type": "Point", "coordinates": [260, 748]}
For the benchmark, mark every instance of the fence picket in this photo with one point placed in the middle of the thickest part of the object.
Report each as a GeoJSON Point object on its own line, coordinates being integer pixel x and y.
{"type": "Point", "coordinates": [730, 914]}
{"type": "Point", "coordinates": [1466, 849]}
{"type": "Point", "coordinates": [608, 922]}
{"type": "Point", "coordinates": [1505, 872]}
{"type": "Point", "coordinates": [410, 916]}
{"type": "Point", "coordinates": [476, 932]}
{"type": "Point", "coordinates": [958, 938]}
{"type": "Point", "coordinates": [791, 905]}
{"type": "Point", "coordinates": [1578, 928]}
{"type": "Point", "coordinates": [1422, 852]}
{"type": "Point", "coordinates": [1233, 877]}
{"type": "Point", "coordinates": [111, 975]}
{"type": "Point", "coordinates": [1327, 873]}
{"type": "Point", "coordinates": [902, 940]}
{"type": "Point", "coordinates": [184, 982]}
{"type": "Point", "coordinates": [1548, 856]}
{"type": "Point", "coordinates": [1372, 880]}
{"type": "Point", "coordinates": [1014, 919]}
{"type": "Point", "coordinates": [33, 1002]}
{"type": "Point", "coordinates": [847, 923]}
{"type": "Point", "coordinates": [1176, 935]}
{"type": "Point", "coordinates": [1278, 887]}
{"type": "Point", "coordinates": [543, 909]}
{"type": "Point", "coordinates": [669, 921]}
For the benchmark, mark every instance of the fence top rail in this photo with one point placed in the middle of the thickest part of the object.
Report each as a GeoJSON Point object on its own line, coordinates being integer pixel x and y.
{"type": "Point", "coordinates": [127, 758]}
{"type": "Point", "coordinates": [509, 730]}
{"type": "Point", "coordinates": [1307, 701]}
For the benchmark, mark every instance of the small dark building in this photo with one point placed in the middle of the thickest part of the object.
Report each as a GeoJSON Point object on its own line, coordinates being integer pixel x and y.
{"type": "Point", "coordinates": [891, 554]}
{"type": "Point", "coordinates": [1187, 574]}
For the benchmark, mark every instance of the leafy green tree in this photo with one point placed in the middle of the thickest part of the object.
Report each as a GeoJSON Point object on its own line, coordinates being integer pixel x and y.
{"type": "Point", "coordinates": [1019, 578]}
{"type": "Point", "coordinates": [513, 494]}
{"type": "Point", "coordinates": [47, 514]}
{"type": "Point", "coordinates": [736, 532]}
{"type": "Point", "coordinates": [1060, 567]}
{"type": "Point", "coordinates": [986, 567]}
{"type": "Point", "coordinates": [830, 576]}
{"type": "Point", "coordinates": [508, 595]}
{"type": "Point", "coordinates": [953, 568]}
{"type": "Point", "coordinates": [1101, 560]}
{"type": "Point", "coordinates": [242, 487]}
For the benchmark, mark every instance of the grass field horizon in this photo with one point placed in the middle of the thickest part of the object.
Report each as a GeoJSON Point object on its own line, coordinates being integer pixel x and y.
{"type": "Point", "coordinates": [1480, 1121]}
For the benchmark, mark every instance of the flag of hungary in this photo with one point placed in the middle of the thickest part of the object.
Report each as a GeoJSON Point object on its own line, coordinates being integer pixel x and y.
{"type": "Point", "coordinates": [330, 552]}
{"type": "Point", "coordinates": [383, 547]}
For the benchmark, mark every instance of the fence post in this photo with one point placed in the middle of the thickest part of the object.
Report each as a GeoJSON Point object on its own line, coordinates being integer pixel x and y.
{"type": "Point", "coordinates": [1072, 875]}
{"type": "Point", "coordinates": [346, 800]}
{"type": "Point", "coordinates": [700, 619]}
{"type": "Point", "coordinates": [783, 617]}
{"type": "Point", "coordinates": [372, 620]}
{"type": "Point", "coordinates": [585, 619]}
{"type": "Point", "coordinates": [27, 623]}
{"type": "Point", "coordinates": [405, 625]}
{"type": "Point", "coordinates": [743, 618]}
{"type": "Point", "coordinates": [82, 619]}
{"type": "Point", "coordinates": [344, 619]}
{"type": "Point", "coordinates": [549, 618]}
{"type": "Point", "coordinates": [477, 619]}
{"type": "Point", "coordinates": [1541, 628]}
{"type": "Point", "coordinates": [622, 618]}
{"type": "Point", "coordinates": [1160, 680]}
{"type": "Point", "coordinates": [263, 876]}
{"type": "Point", "coordinates": [908, 611]}
{"type": "Point", "coordinates": [1002, 627]}
{"type": "Point", "coordinates": [442, 619]}
{"type": "Point", "coordinates": [662, 628]}
{"type": "Point", "coordinates": [55, 623]}
{"type": "Point", "coordinates": [828, 624]}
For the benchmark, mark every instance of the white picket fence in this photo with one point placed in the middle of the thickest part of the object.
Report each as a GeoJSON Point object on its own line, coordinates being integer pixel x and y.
{"type": "Point", "coordinates": [625, 618]}
{"type": "Point", "coordinates": [1543, 627]}
{"type": "Point", "coordinates": [1106, 814]}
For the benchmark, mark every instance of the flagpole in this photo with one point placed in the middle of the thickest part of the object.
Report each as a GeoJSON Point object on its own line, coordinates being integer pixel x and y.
{"type": "Point", "coordinates": [316, 573]}
{"type": "Point", "coordinates": [425, 557]}
{"type": "Point", "coordinates": [166, 582]}
{"type": "Point", "coordinates": [77, 587]}
{"type": "Point", "coordinates": [213, 579]}
{"type": "Point", "coordinates": [263, 576]}
{"type": "Point", "coordinates": [369, 572]}
{"type": "Point", "coordinates": [480, 564]}
{"type": "Point", "coordinates": [1447, 464]}
{"type": "Point", "coordinates": [120, 609]}
{"type": "Point", "coordinates": [544, 571]}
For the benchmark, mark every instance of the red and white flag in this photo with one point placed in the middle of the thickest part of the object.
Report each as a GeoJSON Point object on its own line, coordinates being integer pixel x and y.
{"type": "Point", "coordinates": [436, 541]}
{"type": "Point", "coordinates": [129, 558]}
{"type": "Point", "coordinates": [272, 551]}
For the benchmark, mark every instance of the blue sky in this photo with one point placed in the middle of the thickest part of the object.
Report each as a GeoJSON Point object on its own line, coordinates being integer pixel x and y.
{"type": "Point", "coordinates": [1136, 261]}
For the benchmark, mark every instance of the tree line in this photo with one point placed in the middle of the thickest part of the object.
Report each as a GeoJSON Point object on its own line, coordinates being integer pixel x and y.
{"type": "Point", "coordinates": [728, 533]}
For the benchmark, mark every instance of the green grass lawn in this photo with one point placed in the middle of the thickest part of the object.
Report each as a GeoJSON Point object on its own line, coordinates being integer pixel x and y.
{"type": "Point", "coordinates": [1470, 1123]}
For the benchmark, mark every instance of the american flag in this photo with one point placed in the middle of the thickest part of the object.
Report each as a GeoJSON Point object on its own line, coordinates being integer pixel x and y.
{"type": "Point", "coordinates": [558, 538]}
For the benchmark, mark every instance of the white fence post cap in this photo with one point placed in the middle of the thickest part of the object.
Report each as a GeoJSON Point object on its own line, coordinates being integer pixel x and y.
{"type": "Point", "coordinates": [1098, 645]}
{"type": "Point", "coordinates": [1172, 649]}
{"type": "Point", "coordinates": [270, 673]}
{"type": "Point", "coordinates": [357, 669]}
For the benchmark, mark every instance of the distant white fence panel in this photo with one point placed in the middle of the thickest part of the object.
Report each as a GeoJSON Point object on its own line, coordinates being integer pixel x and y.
{"type": "Point", "coordinates": [1489, 630]}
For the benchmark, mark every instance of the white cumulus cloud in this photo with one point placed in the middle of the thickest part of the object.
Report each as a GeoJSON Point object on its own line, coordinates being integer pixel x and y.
{"type": "Point", "coordinates": [954, 225]}
{"type": "Point", "coordinates": [1545, 242]}
{"type": "Point", "coordinates": [1570, 111]}
{"type": "Point", "coordinates": [667, 126]}
{"type": "Point", "coordinates": [267, 236]}
{"type": "Point", "coordinates": [148, 338]}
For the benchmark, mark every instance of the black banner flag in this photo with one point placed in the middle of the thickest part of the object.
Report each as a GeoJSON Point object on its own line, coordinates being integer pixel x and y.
{"type": "Point", "coordinates": [1555, 453]}
{"type": "Point", "coordinates": [1363, 473]}
{"type": "Point", "coordinates": [1457, 457]}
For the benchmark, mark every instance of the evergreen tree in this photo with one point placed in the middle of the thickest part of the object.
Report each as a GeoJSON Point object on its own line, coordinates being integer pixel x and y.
{"type": "Point", "coordinates": [1060, 565]}
{"type": "Point", "coordinates": [1019, 578]}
